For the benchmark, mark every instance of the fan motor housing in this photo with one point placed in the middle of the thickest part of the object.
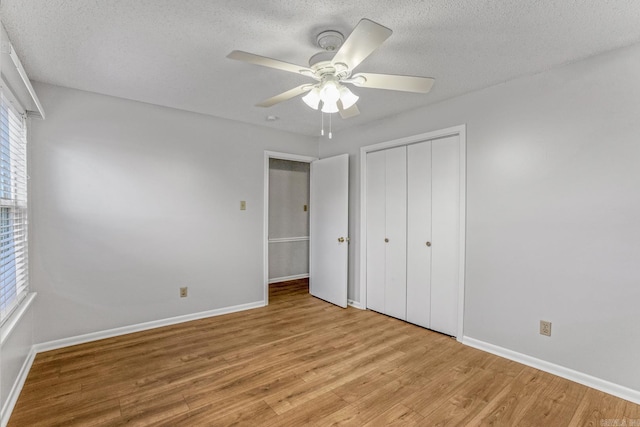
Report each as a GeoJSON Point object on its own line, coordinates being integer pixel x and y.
{"type": "Point", "coordinates": [321, 64]}
{"type": "Point", "coordinates": [320, 57]}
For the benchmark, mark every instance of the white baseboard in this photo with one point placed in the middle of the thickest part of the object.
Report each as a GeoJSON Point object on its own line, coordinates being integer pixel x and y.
{"type": "Point", "coordinates": [579, 377]}
{"type": "Point", "coordinates": [14, 393]}
{"type": "Point", "coordinates": [287, 278]}
{"type": "Point", "coordinates": [356, 304]}
{"type": "Point", "coordinates": [109, 333]}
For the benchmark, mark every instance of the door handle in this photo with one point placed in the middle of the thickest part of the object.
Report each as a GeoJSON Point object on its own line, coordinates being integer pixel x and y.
{"type": "Point", "coordinates": [341, 239]}
{"type": "Point", "coordinates": [428, 243]}
{"type": "Point", "coordinates": [386, 240]}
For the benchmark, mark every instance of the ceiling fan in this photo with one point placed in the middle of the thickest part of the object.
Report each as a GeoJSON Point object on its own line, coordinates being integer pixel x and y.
{"type": "Point", "coordinates": [333, 68]}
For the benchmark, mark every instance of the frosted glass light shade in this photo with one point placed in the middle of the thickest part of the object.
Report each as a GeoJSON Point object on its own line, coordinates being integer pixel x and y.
{"type": "Point", "coordinates": [312, 99]}
{"type": "Point", "coordinates": [347, 97]}
{"type": "Point", "coordinates": [330, 92]}
{"type": "Point", "coordinates": [330, 106]}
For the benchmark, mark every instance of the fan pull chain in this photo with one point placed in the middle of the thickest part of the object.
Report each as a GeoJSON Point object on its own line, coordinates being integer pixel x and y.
{"type": "Point", "coordinates": [330, 128]}
{"type": "Point", "coordinates": [330, 135]}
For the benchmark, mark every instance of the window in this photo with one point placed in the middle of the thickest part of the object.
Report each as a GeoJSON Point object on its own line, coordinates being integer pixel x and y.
{"type": "Point", "coordinates": [13, 208]}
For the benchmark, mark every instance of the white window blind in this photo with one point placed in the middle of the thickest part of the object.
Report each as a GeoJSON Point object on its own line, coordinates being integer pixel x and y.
{"type": "Point", "coordinates": [13, 208]}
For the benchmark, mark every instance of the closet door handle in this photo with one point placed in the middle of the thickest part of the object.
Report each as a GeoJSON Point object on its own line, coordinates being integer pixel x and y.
{"type": "Point", "coordinates": [341, 239]}
{"type": "Point", "coordinates": [386, 240]}
{"type": "Point", "coordinates": [428, 243]}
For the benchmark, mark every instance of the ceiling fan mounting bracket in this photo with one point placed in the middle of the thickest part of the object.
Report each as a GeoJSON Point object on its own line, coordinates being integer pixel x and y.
{"type": "Point", "coordinates": [330, 40]}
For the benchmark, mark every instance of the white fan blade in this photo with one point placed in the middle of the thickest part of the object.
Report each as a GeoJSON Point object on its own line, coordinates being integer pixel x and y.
{"type": "Point", "coordinates": [349, 112]}
{"type": "Point", "coordinates": [285, 96]}
{"type": "Point", "coordinates": [366, 37]}
{"type": "Point", "coordinates": [393, 82]}
{"type": "Point", "coordinates": [268, 62]}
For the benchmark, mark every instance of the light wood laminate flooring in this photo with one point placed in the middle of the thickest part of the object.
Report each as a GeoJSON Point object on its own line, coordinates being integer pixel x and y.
{"type": "Point", "coordinates": [299, 361]}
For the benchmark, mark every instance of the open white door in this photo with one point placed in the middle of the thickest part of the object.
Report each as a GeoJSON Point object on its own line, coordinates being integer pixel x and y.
{"type": "Point", "coordinates": [328, 229]}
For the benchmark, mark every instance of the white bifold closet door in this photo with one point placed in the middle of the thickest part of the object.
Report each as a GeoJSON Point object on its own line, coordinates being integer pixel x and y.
{"type": "Point", "coordinates": [387, 231]}
{"type": "Point", "coordinates": [419, 234]}
{"type": "Point", "coordinates": [376, 229]}
{"type": "Point", "coordinates": [445, 226]}
{"type": "Point", "coordinates": [413, 232]}
{"type": "Point", "coordinates": [395, 289]}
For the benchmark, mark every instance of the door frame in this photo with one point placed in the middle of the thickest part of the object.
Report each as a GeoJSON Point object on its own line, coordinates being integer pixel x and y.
{"type": "Point", "coordinates": [265, 224]}
{"type": "Point", "coordinates": [459, 131]}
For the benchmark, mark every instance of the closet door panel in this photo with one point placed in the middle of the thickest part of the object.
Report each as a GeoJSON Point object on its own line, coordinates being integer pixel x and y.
{"type": "Point", "coordinates": [445, 234]}
{"type": "Point", "coordinates": [419, 233]}
{"type": "Point", "coordinates": [376, 230]}
{"type": "Point", "coordinates": [396, 232]}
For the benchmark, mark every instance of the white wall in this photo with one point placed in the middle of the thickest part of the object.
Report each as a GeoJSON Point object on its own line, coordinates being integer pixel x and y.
{"type": "Point", "coordinates": [288, 194]}
{"type": "Point", "coordinates": [131, 201]}
{"type": "Point", "coordinates": [553, 174]}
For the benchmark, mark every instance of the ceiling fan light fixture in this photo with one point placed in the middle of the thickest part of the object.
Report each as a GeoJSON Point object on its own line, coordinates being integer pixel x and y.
{"type": "Point", "coordinates": [347, 97]}
{"type": "Point", "coordinates": [333, 67]}
{"type": "Point", "coordinates": [312, 99]}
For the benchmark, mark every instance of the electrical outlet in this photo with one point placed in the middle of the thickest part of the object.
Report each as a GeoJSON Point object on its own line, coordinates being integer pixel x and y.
{"type": "Point", "coordinates": [545, 328]}
{"type": "Point", "coordinates": [183, 292]}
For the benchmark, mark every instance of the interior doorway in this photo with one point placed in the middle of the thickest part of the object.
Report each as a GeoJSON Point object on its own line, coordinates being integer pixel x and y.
{"type": "Point", "coordinates": [286, 218]}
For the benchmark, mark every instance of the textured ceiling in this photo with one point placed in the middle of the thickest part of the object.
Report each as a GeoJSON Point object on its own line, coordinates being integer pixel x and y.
{"type": "Point", "coordinates": [173, 53]}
